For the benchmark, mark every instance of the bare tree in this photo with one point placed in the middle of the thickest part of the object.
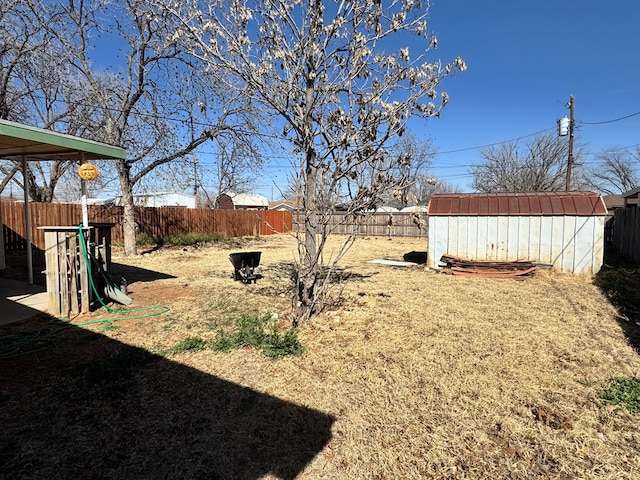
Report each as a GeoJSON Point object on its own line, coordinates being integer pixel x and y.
{"type": "Point", "coordinates": [425, 186]}
{"type": "Point", "coordinates": [69, 188]}
{"type": "Point", "coordinates": [8, 175]}
{"type": "Point", "coordinates": [32, 78]}
{"type": "Point", "coordinates": [292, 191]}
{"type": "Point", "coordinates": [237, 166]}
{"type": "Point", "coordinates": [334, 77]}
{"type": "Point", "coordinates": [20, 38]}
{"type": "Point", "coordinates": [535, 166]}
{"type": "Point", "coordinates": [417, 155]}
{"type": "Point", "coordinates": [160, 105]}
{"type": "Point", "coordinates": [618, 171]}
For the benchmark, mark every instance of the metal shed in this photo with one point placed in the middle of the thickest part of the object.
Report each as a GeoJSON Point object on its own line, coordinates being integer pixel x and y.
{"type": "Point", "coordinates": [564, 229]}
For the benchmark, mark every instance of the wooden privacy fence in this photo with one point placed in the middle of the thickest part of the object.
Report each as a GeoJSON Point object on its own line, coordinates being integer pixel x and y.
{"type": "Point", "coordinates": [155, 222]}
{"type": "Point", "coordinates": [626, 232]}
{"type": "Point", "coordinates": [397, 224]}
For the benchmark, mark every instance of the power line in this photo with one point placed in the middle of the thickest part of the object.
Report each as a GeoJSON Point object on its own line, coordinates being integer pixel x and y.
{"type": "Point", "coordinates": [495, 143]}
{"type": "Point", "coordinates": [183, 121]}
{"type": "Point", "coordinates": [538, 133]}
{"type": "Point", "coordinates": [610, 121]}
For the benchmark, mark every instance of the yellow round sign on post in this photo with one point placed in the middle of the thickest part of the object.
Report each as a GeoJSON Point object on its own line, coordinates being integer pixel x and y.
{"type": "Point", "coordinates": [88, 171]}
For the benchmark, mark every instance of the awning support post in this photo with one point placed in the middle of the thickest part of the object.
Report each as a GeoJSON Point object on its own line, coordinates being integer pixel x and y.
{"type": "Point", "coordinates": [27, 217]}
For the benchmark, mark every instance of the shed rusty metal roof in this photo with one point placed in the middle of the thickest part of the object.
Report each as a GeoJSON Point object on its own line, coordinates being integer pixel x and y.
{"type": "Point", "coordinates": [581, 204]}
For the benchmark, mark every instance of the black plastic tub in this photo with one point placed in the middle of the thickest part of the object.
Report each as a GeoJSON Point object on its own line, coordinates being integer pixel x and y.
{"type": "Point", "coordinates": [244, 265]}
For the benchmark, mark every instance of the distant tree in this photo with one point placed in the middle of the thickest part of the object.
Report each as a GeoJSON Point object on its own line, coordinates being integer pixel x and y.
{"type": "Point", "coordinates": [535, 166]}
{"type": "Point", "coordinates": [333, 76]}
{"type": "Point", "coordinates": [293, 189]}
{"type": "Point", "coordinates": [618, 171]}
{"type": "Point", "coordinates": [69, 186]}
{"type": "Point", "coordinates": [426, 186]}
{"type": "Point", "coordinates": [412, 171]}
{"type": "Point", "coordinates": [236, 167]}
{"type": "Point", "coordinates": [8, 173]}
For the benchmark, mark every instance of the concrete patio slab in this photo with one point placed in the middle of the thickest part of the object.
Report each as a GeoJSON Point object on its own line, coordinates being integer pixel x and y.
{"type": "Point", "coordinates": [20, 301]}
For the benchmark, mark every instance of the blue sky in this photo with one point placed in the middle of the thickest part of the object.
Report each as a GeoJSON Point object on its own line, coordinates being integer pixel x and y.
{"type": "Point", "coordinates": [525, 58]}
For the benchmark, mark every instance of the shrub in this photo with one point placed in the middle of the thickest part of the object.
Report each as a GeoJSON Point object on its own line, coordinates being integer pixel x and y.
{"type": "Point", "coordinates": [279, 345]}
{"type": "Point", "coordinates": [185, 239]}
{"type": "Point", "coordinates": [623, 391]}
{"type": "Point", "coordinates": [192, 238]}
{"type": "Point", "coordinates": [189, 344]}
{"type": "Point", "coordinates": [144, 239]}
{"type": "Point", "coordinates": [260, 332]}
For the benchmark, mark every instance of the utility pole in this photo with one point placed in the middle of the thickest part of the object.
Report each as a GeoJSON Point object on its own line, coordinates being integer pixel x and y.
{"type": "Point", "coordinates": [571, 124]}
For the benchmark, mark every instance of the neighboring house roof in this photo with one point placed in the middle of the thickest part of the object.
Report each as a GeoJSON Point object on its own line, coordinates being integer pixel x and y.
{"type": "Point", "coordinates": [249, 200]}
{"type": "Point", "coordinates": [285, 205]}
{"type": "Point", "coordinates": [385, 209]}
{"type": "Point", "coordinates": [242, 201]}
{"type": "Point", "coordinates": [632, 193]}
{"type": "Point", "coordinates": [538, 203]}
{"type": "Point", "coordinates": [99, 201]}
{"type": "Point", "coordinates": [161, 199]}
{"type": "Point", "coordinates": [415, 209]}
{"type": "Point", "coordinates": [613, 201]}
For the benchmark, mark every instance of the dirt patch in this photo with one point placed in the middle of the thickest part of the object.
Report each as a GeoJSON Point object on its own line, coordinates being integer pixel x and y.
{"type": "Point", "coordinates": [555, 420]}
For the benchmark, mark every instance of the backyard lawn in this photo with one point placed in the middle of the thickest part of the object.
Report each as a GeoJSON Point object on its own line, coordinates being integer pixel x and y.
{"type": "Point", "coordinates": [408, 374]}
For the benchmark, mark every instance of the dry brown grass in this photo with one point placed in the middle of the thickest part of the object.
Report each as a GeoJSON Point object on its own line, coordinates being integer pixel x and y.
{"type": "Point", "coordinates": [421, 375]}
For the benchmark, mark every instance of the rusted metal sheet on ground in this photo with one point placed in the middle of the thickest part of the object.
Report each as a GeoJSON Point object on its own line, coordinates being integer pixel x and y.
{"type": "Point", "coordinates": [519, 270]}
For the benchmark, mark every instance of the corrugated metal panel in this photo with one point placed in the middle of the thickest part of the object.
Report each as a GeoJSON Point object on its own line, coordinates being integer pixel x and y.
{"type": "Point", "coordinates": [540, 203]}
{"type": "Point", "coordinates": [572, 244]}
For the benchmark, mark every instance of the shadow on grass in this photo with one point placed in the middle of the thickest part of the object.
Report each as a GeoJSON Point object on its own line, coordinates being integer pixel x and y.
{"type": "Point", "coordinates": [92, 407]}
{"type": "Point", "coordinates": [289, 271]}
{"type": "Point", "coordinates": [619, 280]}
{"type": "Point", "coordinates": [419, 257]}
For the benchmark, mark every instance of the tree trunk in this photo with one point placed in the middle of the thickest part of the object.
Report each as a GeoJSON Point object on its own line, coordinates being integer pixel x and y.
{"type": "Point", "coordinates": [129, 225]}
{"type": "Point", "coordinates": [308, 275]}
{"type": "Point", "coordinates": [309, 261]}
{"type": "Point", "coordinates": [129, 215]}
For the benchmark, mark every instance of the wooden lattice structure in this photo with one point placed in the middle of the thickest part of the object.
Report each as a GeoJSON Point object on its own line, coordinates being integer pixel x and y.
{"type": "Point", "coordinates": [69, 288]}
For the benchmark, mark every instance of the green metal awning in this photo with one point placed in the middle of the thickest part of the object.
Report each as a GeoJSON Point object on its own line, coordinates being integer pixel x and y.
{"type": "Point", "coordinates": [19, 141]}
{"type": "Point", "coordinates": [24, 144]}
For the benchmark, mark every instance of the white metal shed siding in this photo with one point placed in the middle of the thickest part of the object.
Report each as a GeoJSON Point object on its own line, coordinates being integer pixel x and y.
{"type": "Point", "coordinates": [573, 244]}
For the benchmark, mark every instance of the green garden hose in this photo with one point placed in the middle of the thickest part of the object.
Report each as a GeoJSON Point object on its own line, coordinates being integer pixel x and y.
{"type": "Point", "coordinates": [31, 341]}
{"type": "Point", "coordinates": [160, 308]}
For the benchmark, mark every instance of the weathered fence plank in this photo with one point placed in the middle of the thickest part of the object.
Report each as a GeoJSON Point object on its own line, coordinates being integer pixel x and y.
{"type": "Point", "coordinates": [167, 221]}
{"type": "Point", "coordinates": [397, 224]}
{"type": "Point", "coordinates": [155, 222]}
{"type": "Point", "coordinates": [626, 232]}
